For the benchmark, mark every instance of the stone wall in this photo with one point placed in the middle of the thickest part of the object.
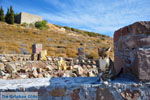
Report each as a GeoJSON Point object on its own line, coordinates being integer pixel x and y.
{"type": "Point", "coordinates": [28, 18]}
{"type": "Point", "coordinates": [78, 88]}
{"type": "Point", "coordinates": [132, 50]}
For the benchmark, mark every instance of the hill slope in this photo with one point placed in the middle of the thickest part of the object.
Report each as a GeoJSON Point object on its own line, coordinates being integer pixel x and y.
{"type": "Point", "coordinates": [58, 40]}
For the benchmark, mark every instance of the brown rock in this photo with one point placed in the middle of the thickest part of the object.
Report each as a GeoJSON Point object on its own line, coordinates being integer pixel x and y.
{"type": "Point", "coordinates": [58, 92]}
{"type": "Point", "coordinates": [132, 50]}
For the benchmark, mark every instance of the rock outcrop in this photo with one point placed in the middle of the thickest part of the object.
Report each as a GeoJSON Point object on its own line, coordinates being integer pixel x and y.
{"type": "Point", "coordinates": [132, 50]}
{"type": "Point", "coordinates": [78, 88]}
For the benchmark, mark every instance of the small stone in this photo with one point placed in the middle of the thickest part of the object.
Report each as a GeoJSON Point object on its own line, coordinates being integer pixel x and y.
{"type": "Point", "coordinates": [94, 62]}
{"type": "Point", "coordinates": [88, 66]}
{"type": "Point", "coordinates": [80, 70]}
{"type": "Point", "coordinates": [5, 77]}
{"type": "Point", "coordinates": [39, 70]}
{"type": "Point", "coordinates": [11, 68]}
{"type": "Point", "coordinates": [70, 68]}
{"type": "Point", "coordinates": [49, 68]}
{"type": "Point", "coordinates": [2, 66]}
{"type": "Point", "coordinates": [76, 66]}
{"type": "Point", "coordinates": [106, 82]}
{"type": "Point", "coordinates": [49, 59]}
{"type": "Point", "coordinates": [40, 75]}
{"type": "Point", "coordinates": [3, 59]}
{"type": "Point", "coordinates": [23, 76]}
{"type": "Point", "coordinates": [14, 76]}
{"type": "Point", "coordinates": [73, 75]}
{"type": "Point", "coordinates": [34, 72]}
{"type": "Point", "coordinates": [2, 73]}
{"type": "Point", "coordinates": [62, 64]}
{"type": "Point", "coordinates": [46, 75]}
{"type": "Point", "coordinates": [94, 66]}
{"type": "Point", "coordinates": [91, 74]}
{"type": "Point", "coordinates": [66, 74]}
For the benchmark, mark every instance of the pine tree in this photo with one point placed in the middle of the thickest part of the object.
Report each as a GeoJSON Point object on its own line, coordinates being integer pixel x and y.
{"type": "Point", "coordinates": [10, 16]}
{"type": "Point", "coordinates": [2, 16]}
{"type": "Point", "coordinates": [7, 16]}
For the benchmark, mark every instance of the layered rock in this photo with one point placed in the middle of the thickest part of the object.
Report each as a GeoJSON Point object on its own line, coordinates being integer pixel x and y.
{"type": "Point", "coordinates": [132, 50]}
{"type": "Point", "coordinates": [78, 88]}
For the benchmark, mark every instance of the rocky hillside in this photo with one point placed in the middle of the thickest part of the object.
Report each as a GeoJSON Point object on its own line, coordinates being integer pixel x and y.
{"type": "Point", "coordinates": [57, 40]}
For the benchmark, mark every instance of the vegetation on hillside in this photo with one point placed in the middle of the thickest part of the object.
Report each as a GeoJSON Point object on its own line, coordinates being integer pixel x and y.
{"type": "Point", "coordinates": [57, 43]}
{"type": "Point", "coordinates": [58, 40]}
{"type": "Point", "coordinates": [93, 34]}
{"type": "Point", "coordinates": [41, 25]}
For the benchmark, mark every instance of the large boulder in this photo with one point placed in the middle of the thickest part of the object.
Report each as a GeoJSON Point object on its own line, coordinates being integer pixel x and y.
{"type": "Point", "coordinates": [132, 50]}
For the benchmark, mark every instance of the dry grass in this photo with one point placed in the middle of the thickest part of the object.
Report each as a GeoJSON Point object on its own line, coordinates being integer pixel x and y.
{"type": "Point", "coordinates": [58, 43]}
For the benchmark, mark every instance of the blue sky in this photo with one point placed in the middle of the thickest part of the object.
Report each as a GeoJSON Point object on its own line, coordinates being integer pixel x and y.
{"type": "Point", "coordinates": [102, 16]}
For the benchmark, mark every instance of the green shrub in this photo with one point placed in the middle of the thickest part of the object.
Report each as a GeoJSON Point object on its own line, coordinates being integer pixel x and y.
{"type": "Point", "coordinates": [31, 25]}
{"type": "Point", "coordinates": [24, 24]}
{"type": "Point", "coordinates": [41, 25]}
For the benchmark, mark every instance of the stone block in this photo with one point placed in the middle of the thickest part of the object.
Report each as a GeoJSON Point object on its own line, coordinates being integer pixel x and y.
{"type": "Point", "coordinates": [27, 18]}
{"type": "Point", "coordinates": [131, 48]}
{"type": "Point", "coordinates": [81, 53]}
{"type": "Point", "coordinates": [43, 55]}
{"type": "Point", "coordinates": [36, 48]}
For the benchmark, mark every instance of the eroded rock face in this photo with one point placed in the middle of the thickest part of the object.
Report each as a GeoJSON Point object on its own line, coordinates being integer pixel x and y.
{"type": "Point", "coordinates": [132, 50]}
